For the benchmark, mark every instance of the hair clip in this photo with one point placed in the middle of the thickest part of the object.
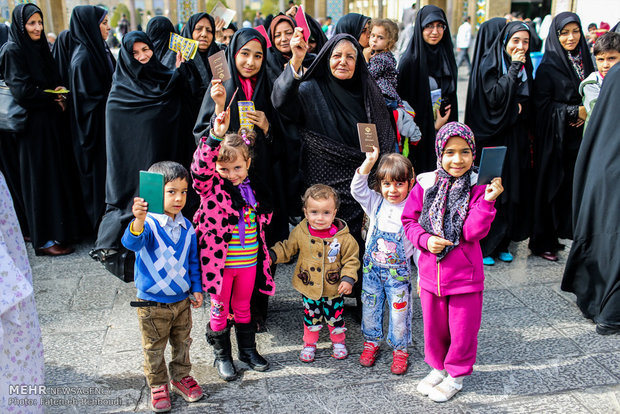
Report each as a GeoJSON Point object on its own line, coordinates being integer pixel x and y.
{"type": "Point", "coordinates": [247, 141]}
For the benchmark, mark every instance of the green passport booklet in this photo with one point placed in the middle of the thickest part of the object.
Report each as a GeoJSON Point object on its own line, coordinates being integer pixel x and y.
{"type": "Point", "coordinates": [152, 190]}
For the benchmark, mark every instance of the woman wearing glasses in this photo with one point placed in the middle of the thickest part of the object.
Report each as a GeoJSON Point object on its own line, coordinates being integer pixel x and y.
{"type": "Point", "coordinates": [427, 80]}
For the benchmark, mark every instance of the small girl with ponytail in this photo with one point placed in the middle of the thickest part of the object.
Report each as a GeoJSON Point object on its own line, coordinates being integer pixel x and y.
{"type": "Point", "coordinates": [230, 232]}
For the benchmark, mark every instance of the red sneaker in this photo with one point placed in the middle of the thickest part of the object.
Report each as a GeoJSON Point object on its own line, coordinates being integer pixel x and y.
{"type": "Point", "coordinates": [187, 388]}
{"type": "Point", "coordinates": [369, 354]}
{"type": "Point", "coordinates": [160, 399]}
{"type": "Point", "coordinates": [399, 362]}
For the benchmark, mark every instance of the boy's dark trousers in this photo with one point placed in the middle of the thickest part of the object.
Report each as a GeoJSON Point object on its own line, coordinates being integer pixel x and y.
{"type": "Point", "coordinates": [159, 324]}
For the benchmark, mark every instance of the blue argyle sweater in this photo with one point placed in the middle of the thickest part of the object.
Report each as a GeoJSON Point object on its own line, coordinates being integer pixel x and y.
{"type": "Point", "coordinates": [165, 272]}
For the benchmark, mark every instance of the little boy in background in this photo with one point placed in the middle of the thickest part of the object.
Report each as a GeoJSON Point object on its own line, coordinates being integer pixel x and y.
{"type": "Point", "coordinates": [606, 54]}
{"type": "Point", "coordinates": [326, 268]}
{"type": "Point", "coordinates": [166, 272]}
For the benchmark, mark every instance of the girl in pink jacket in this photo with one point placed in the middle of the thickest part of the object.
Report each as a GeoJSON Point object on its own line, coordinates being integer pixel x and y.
{"type": "Point", "coordinates": [445, 217]}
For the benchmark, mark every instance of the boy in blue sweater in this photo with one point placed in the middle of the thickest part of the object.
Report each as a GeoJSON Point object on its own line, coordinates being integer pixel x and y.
{"type": "Point", "coordinates": [166, 272]}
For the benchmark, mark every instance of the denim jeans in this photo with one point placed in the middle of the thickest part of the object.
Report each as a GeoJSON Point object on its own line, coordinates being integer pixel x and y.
{"type": "Point", "coordinates": [391, 285]}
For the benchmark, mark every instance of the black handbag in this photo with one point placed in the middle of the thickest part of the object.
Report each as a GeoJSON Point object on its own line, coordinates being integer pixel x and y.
{"type": "Point", "coordinates": [12, 116]}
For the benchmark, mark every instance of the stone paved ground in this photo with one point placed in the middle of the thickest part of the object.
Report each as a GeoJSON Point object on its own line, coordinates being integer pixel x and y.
{"type": "Point", "coordinates": [536, 352]}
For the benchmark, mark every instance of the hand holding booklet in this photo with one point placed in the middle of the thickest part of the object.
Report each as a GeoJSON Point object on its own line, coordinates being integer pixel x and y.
{"type": "Point", "coordinates": [152, 191]}
{"type": "Point", "coordinates": [368, 136]}
{"type": "Point", "coordinates": [491, 164]}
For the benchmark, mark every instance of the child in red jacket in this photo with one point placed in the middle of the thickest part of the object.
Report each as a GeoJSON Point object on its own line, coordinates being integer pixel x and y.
{"type": "Point", "coordinates": [446, 216]}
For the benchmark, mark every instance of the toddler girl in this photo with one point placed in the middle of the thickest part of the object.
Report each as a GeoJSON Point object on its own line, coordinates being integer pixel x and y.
{"type": "Point", "coordinates": [386, 266]}
{"type": "Point", "coordinates": [445, 217]}
{"type": "Point", "coordinates": [382, 64]}
{"type": "Point", "coordinates": [382, 67]}
{"type": "Point", "coordinates": [230, 223]}
{"type": "Point", "coordinates": [326, 267]}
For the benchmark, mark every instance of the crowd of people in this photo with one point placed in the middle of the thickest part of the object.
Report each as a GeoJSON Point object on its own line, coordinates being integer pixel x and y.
{"type": "Point", "coordinates": [243, 177]}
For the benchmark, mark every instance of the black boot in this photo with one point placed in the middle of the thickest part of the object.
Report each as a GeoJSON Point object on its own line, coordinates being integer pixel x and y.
{"type": "Point", "coordinates": [246, 341]}
{"type": "Point", "coordinates": [220, 340]}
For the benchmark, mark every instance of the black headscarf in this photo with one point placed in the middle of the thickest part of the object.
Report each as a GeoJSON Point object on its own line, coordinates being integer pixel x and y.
{"type": "Point", "coordinates": [147, 81]}
{"type": "Point", "coordinates": [316, 33]}
{"type": "Point", "coordinates": [419, 62]}
{"type": "Point", "coordinates": [593, 266]}
{"type": "Point", "coordinates": [353, 24]}
{"type": "Point", "coordinates": [62, 50]}
{"type": "Point", "coordinates": [262, 88]}
{"type": "Point", "coordinates": [158, 30]}
{"type": "Point", "coordinates": [4, 34]}
{"type": "Point", "coordinates": [488, 116]}
{"type": "Point", "coordinates": [37, 54]}
{"type": "Point", "coordinates": [488, 32]}
{"type": "Point", "coordinates": [535, 40]}
{"type": "Point", "coordinates": [84, 28]}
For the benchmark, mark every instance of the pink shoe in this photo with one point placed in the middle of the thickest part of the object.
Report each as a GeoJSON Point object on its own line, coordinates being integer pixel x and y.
{"type": "Point", "coordinates": [339, 351]}
{"type": "Point", "coordinates": [187, 388]}
{"type": "Point", "coordinates": [160, 399]}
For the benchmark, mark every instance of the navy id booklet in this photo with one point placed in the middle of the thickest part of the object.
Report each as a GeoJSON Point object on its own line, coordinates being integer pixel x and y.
{"type": "Point", "coordinates": [491, 164]}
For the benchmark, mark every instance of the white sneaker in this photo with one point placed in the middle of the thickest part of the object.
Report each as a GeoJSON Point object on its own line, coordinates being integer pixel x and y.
{"type": "Point", "coordinates": [428, 382]}
{"type": "Point", "coordinates": [447, 389]}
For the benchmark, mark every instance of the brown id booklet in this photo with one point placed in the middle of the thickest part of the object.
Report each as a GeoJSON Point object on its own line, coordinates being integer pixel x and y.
{"type": "Point", "coordinates": [219, 66]}
{"type": "Point", "coordinates": [368, 136]}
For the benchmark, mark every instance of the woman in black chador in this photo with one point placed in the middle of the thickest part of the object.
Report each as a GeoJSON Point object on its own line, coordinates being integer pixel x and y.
{"type": "Point", "coordinates": [428, 68]}
{"type": "Point", "coordinates": [593, 266]}
{"type": "Point", "coordinates": [501, 89]}
{"type": "Point", "coordinates": [90, 79]}
{"type": "Point", "coordinates": [559, 129]}
{"type": "Point", "coordinates": [34, 161]}
{"type": "Point", "coordinates": [144, 125]}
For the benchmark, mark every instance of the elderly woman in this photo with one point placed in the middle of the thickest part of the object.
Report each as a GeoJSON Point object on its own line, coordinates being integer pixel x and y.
{"type": "Point", "coordinates": [427, 71]}
{"type": "Point", "coordinates": [326, 103]}
{"type": "Point", "coordinates": [34, 160]}
{"type": "Point", "coordinates": [559, 128]}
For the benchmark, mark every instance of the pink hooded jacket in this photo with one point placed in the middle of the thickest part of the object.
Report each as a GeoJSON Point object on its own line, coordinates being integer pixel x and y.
{"type": "Point", "coordinates": [461, 271]}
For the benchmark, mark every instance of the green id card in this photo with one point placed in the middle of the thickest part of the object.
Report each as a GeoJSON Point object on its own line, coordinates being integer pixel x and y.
{"type": "Point", "coordinates": [152, 190]}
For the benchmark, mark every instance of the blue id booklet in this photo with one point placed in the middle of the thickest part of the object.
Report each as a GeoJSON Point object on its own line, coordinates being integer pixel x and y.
{"type": "Point", "coordinates": [491, 164]}
{"type": "Point", "coordinates": [152, 190]}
